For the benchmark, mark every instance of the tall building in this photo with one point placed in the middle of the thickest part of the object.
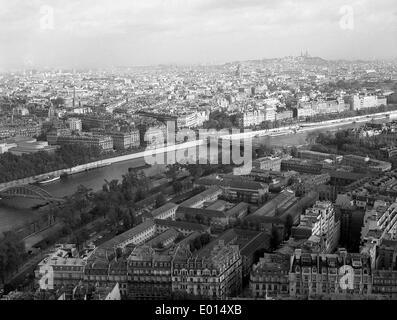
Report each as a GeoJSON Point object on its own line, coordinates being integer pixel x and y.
{"type": "Point", "coordinates": [320, 224]}
{"type": "Point", "coordinates": [380, 222]}
{"type": "Point", "coordinates": [75, 124]}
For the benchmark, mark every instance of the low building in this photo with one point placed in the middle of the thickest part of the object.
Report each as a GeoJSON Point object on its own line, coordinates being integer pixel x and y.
{"type": "Point", "coordinates": [267, 163]}
{"type": "Point", "coordinates": [365, 164]}
{"type": "Point", "coordinates": [236, 189]}
{"type": "Point", "coordinates": [301, 166]}
{"type": "Point", "coordinates": [135, 236]}
{"type": "Point", "coordinates": [163, 240]}
{"type": "Point", "coordinates": [319, 156]}
{"type": "Point", "coordinates": [277, 205]}
{"type": "Point", "coordinates": [165, 212]}
{"type": "Point", "coordinates": [197, 201]}
{"type": "Point", "coordinates": [186, 228]}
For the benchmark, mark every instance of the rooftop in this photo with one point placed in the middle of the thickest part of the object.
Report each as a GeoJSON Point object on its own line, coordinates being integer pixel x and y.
{"type": "Point", "coordinates": [168, 206]}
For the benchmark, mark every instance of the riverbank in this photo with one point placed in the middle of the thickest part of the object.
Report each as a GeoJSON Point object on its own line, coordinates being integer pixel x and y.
{"type": "Point", "coordinates": [94, 179]}
{"type": "Point", "coordinates": [150, 154]}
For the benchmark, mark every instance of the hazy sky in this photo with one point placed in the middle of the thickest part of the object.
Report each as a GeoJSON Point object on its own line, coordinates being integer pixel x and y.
{"type": "Point", "coordinates": [94, 33]}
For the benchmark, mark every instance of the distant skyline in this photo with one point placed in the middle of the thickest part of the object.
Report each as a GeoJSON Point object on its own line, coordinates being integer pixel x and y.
{"type": "Point", "coordinates": [104, 33]}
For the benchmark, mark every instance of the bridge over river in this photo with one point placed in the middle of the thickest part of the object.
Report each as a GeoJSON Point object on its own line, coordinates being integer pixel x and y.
{"type": "Point", "coordinates": [30, 192]}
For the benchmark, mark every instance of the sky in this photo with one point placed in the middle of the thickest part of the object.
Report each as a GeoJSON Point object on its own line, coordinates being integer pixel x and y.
{"type": "Point", "coordinates": [105, 33]}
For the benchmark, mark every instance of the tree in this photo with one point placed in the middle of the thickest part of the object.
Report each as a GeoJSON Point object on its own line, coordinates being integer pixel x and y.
{"type": "Point", "coordinates": [294, 152]}
{"type": "Point", "coordinates": [311, 137]}
{"type": "Point", "coordinates": [196, 244]}
{"type": "Point", "coordinates": [205, 238]}
{"type": "Point", "coordinates": [289, 221]}
{"type": "Point", "coordinates": [59, 101]}
{"type": "Point", "coordinates": [160, 200]}
{"type": "Point", "coordinates": [12, 251]}
{"type": "Point", "coordinates": [274, 239]}
{"type": "Point", "coordinates": [172, 172]}
{"type": "Point", "coordinates": [177, 187]}
{"type": "Point", "coordinates": [81, 198]}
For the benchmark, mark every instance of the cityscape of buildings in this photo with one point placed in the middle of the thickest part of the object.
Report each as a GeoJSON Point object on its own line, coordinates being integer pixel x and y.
{"type": "Point", "coordinates": [283, 230]}
{"type": "Point", "coordinates": [309, 212]}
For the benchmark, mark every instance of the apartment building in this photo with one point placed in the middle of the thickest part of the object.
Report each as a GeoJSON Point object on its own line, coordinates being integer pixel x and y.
{"type": "Point", "coordinates": [380, 222]}
{"type": "Point", "coordinates": [149, 274]}
{"type": "Point", "coordinates": [270, 276]}
{"type": "Point", "coordinates": [103, 142]}
{"type": "Point", "coordinates": [362, 101]}
{"type": "Point", "coordinates": [235, 189]}
{"type": "Point", "coordinates": [314, 274]}
{"type": "Point", "coordinates": [62, 268]}
{"type": "Point", "coordinates": [282, 115]}
{"type": "Point", "coordinates": [211, 274]}
{"type": "Point", "coordinates": [75, 124]}
{"type": "Point", "coordinates": [251, 118]}
{"type": "Point", "coordinates": [320, 223]}
{"type": "Point", "coordinates": [126, 140]}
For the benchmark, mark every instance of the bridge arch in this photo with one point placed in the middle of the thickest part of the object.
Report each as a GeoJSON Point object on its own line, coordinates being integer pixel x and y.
{"type": "Point", "coordinates": [28, 191]}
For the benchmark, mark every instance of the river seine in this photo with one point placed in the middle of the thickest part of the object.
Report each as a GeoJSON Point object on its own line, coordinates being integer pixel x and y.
{"type": "Point", "coordinates": [12, 218]}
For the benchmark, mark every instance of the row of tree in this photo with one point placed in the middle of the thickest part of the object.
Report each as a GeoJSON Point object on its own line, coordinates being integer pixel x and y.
{"type": "Point", "coordinates": [347, 142]}
{"type": "Point", "coordinates": [219, 120]}
{"type": "Point", "coordinates": [113, 208]}
{"type": "Point", "coordinates": [12, 253]}
{"type": "Point", "coordinates": [13, 167]}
